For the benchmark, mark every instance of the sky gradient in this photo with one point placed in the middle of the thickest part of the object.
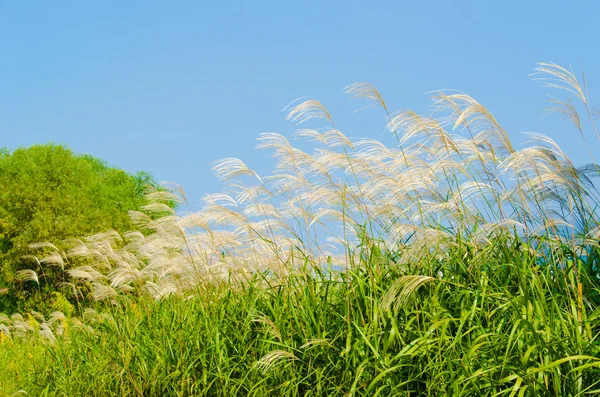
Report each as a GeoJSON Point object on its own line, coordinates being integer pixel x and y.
{"type": "Point", "coordinates": [170, 87]}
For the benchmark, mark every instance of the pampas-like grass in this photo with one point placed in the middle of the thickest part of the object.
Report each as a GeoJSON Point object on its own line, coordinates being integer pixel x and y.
{"type": "Point", "coordinates": [449, 263]}
{"type": "Point", "coordinates": [455, 176]}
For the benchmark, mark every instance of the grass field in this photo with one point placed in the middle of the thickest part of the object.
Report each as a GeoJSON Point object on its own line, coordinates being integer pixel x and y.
{"type": "Point", "coordinates": [450, 264]}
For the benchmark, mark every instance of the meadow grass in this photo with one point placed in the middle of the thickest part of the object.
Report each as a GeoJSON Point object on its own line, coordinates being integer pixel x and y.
{"type": "Point", "coordinates": [496, 323]}
{"type": "Point", "coordinates": [450, 264]}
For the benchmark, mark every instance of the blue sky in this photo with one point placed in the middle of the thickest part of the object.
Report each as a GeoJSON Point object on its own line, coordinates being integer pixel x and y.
{"type": "Point", "coordinates": [171, 86]}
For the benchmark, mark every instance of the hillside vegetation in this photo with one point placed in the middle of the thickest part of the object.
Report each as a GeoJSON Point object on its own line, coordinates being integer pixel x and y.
{"type": "Point", "coordinates": [448, 264]}
{"type": "Point", "coordinates": [50, 194]}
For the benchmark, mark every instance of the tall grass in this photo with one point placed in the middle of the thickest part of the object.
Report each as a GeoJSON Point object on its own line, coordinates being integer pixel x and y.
{"type": "Point", "coordinates": [449, 264]}
{"type": "Point", "coordinates": [496, 324]}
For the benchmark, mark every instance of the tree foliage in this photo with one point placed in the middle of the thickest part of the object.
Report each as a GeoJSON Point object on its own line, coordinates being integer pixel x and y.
{"type": "Point", "coordinates": [48, 193]}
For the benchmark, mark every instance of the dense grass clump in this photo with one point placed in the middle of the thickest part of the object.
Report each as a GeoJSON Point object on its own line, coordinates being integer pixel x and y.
{"type": "Point", "coordinates": [493, 324]}
{"type": "Point", "coordinates": [450, 264]}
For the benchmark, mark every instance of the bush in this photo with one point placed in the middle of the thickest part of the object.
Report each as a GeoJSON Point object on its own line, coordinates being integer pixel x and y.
{"type": "Point", "coordinates": [50, 194]}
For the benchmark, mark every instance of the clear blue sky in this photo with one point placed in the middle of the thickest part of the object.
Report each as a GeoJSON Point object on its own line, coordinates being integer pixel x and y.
{"type": "Point", "coordinates": [171, 86]}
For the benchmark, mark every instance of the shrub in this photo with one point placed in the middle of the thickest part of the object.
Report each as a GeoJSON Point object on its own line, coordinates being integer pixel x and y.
{"type": "Point", "coordinates": [50, 194]}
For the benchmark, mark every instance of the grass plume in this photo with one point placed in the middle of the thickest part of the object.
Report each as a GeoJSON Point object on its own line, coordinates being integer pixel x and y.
{"type": "Point", "coordinates": [451, 263]}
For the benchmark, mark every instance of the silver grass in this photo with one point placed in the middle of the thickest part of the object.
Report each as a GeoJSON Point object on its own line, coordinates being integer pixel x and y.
{"type": "Point", "coordinates": [307, 110]}
{"type": "Point", "coordinates": [43, 245]}
{"type": "Point", "coordinates": [4, 329]}
{"type": "Point", "coordinates": [86, 272]}
{"type": "Point", "coordinates": [556, 76]}
{"type": "Point", "coordinates": [272, 359]}
{"type": "Point", "coordinates": [457, 174]}
{"type": "Point", "coordinates": [158, 208]}
{"type": "Point", "coordinates": [47, 333]}
{"type": "Point", "coordinates": [27, 275]}
{"type": "Point", "coordinates": [54, 259]}
{"type": "Point", "coordinates": [268, 326]}
{"type": "Point", "coordinates": [102, 292]}
{"type": "Point", "coordinates": [401, 290]}
{"type": "Point", "coordinates": [230, 168]}
{"type": "Point", "coordinates": [165, 196]}
{"type": "Point", "coordinates": [316, 342]}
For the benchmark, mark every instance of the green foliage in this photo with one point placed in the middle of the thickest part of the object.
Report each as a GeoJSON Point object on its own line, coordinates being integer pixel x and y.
{"type": "Point", "coordinates": [51, 194]}
{"type": "Point", "coordinates": [493, 324]}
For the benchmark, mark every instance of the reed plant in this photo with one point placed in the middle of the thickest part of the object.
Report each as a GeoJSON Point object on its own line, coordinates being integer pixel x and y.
{"type": "Point", "coordinates": [449, 264]}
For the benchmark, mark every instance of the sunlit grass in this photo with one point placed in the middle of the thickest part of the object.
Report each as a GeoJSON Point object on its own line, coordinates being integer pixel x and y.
{"type": "Point", "coordinates": [494, 323]}
{"type": "Point", "coordinates": [450, 264]}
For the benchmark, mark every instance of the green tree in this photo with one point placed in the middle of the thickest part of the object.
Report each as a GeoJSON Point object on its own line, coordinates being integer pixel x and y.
{"type": "Point", "coordinates": [48, 193]}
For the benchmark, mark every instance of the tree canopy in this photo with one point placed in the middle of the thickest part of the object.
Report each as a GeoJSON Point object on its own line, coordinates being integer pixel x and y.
{"type": "Point", "coordinates": [48, 193]}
